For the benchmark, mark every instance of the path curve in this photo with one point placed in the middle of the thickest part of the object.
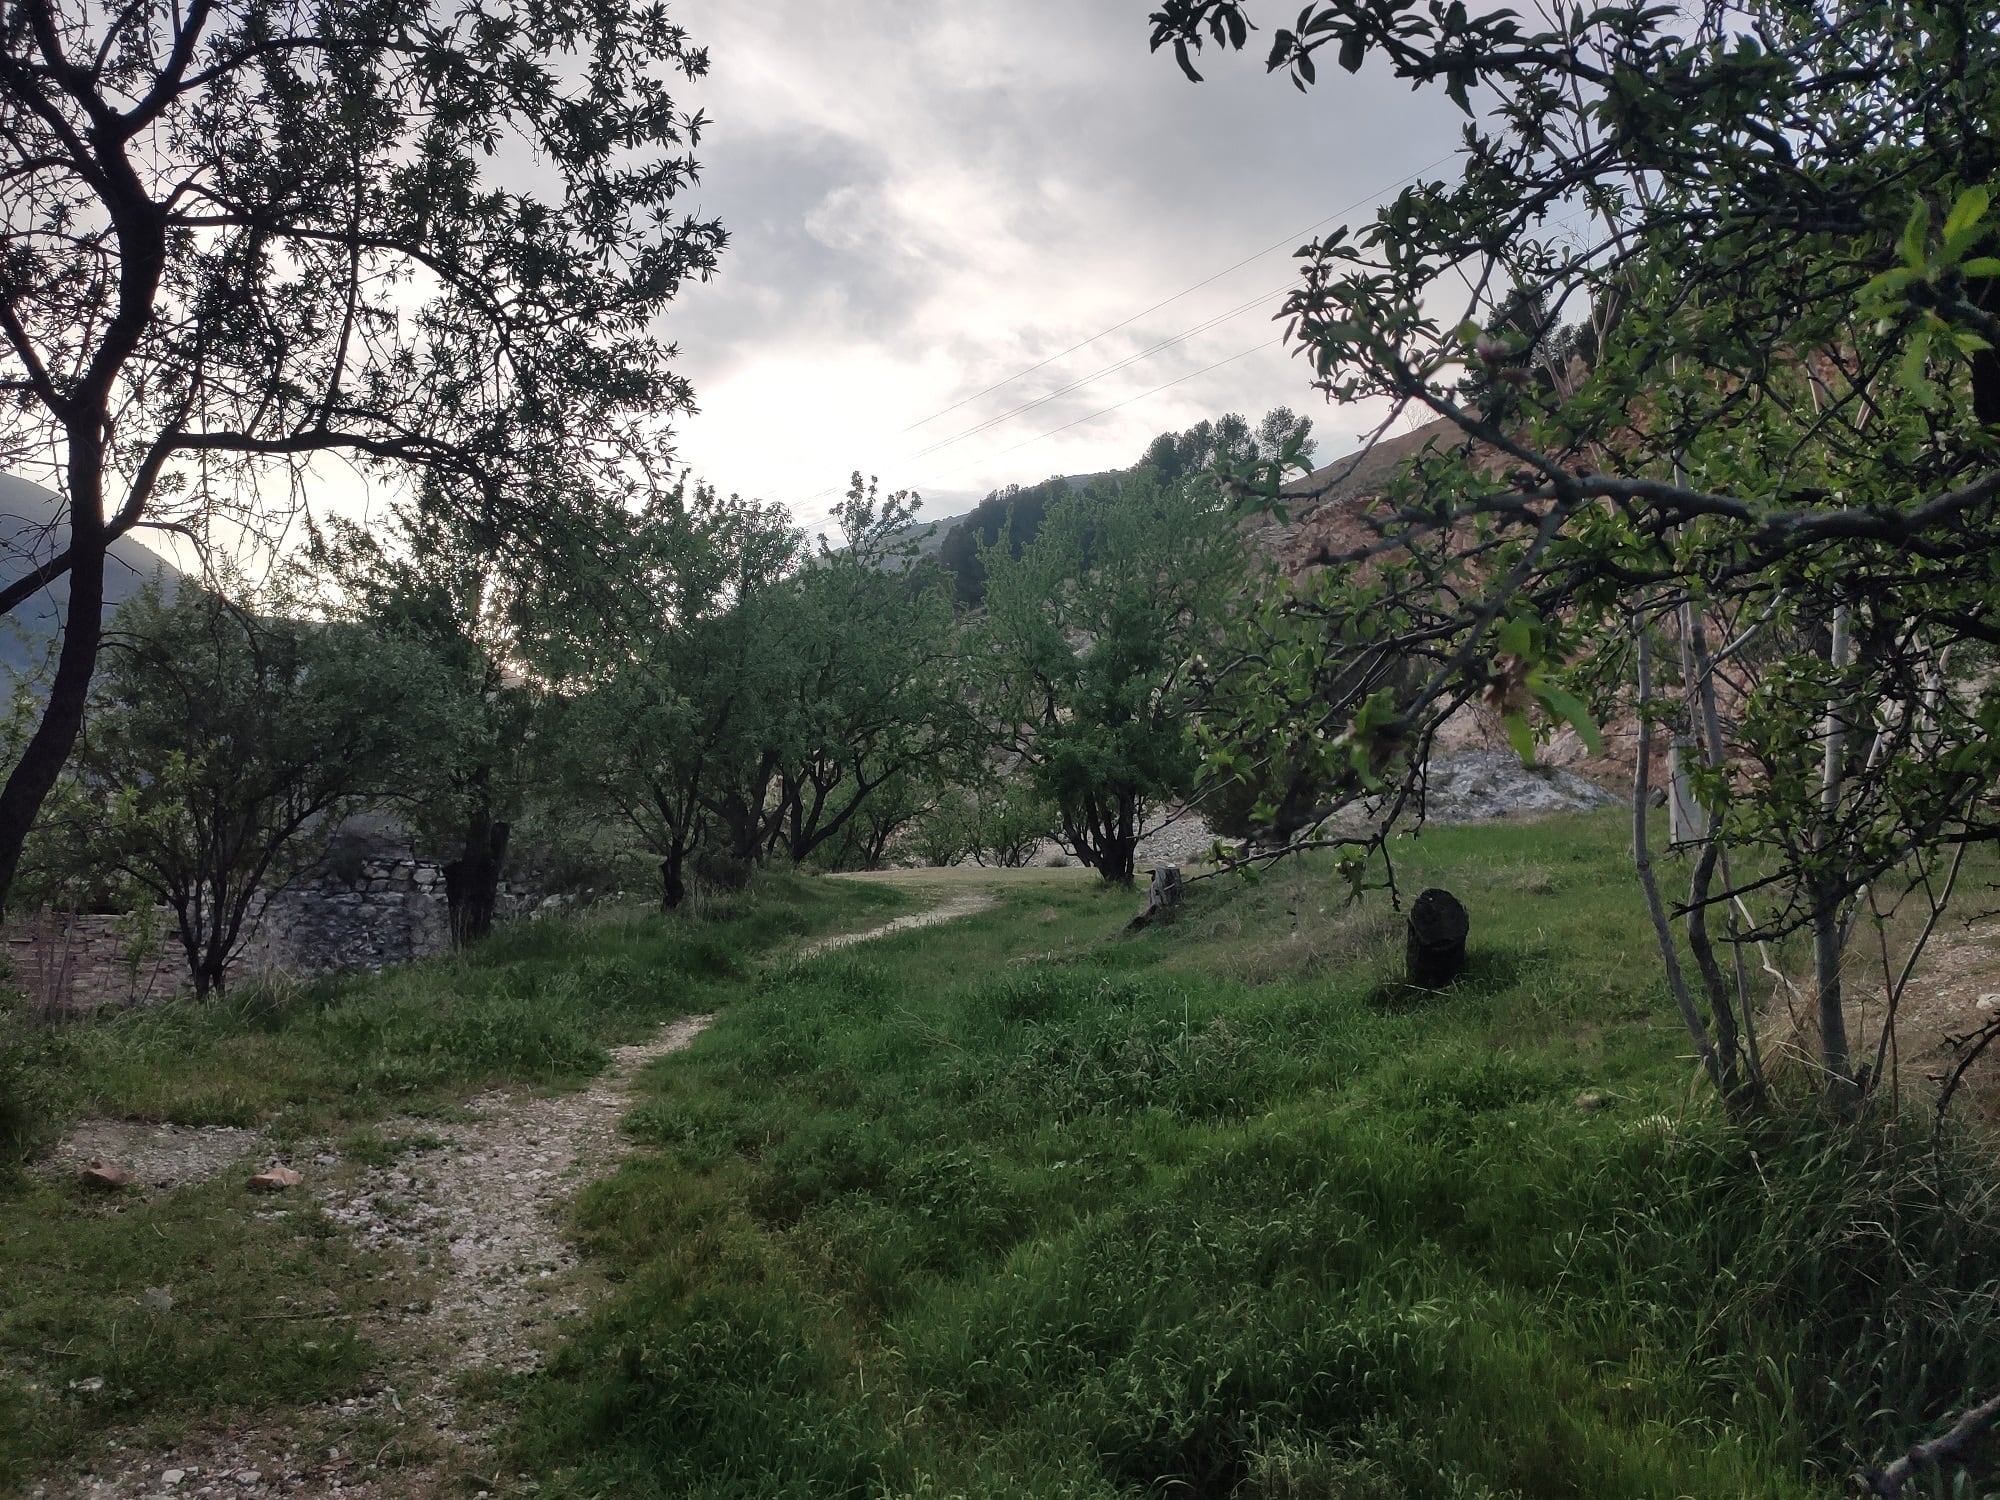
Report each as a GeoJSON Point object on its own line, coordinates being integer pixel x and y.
{"type": "Point", "coordinates": [964, 904]}
{"type": "Point", "coordinates": [482, 1203]}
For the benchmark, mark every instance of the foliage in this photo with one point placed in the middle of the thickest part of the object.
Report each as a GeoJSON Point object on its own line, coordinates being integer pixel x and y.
{"type": "Point", "coordinates": [455, 584]}
{"type": "Point", "coordinates": [1014, 514]}
{"type": "Point", "coordinates": [877, 688]}
{"type": "Point", "coordinates": [1768, 447]}
{"type": "Point", "coordinates": [1230, 441]}
{"type": "Point", "coordinates": [662, 725]}
{"type": "Point", "coordinates": [1010, 821]}
{"type": "Point", "coordinates": [224, 749]}
{"type": "Point", "coordinates": [243, 233]}
{"type": "Point", "coordinates": [1089, 643]}
{"type": "Point", "coordinates": [760, 701]}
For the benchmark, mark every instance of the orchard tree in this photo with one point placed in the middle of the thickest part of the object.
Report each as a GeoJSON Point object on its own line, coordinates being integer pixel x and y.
{"type": "Point", "coordinates": [877, 685]}
{"type": "Point", "coordinates": [1090, 644]}
{"type": "Point", "coordinates": [666, 713]}
{"type": "Point", "coordinates": [239, 233]}
{"type": "Point", "coordinates": [449, 578]}
{"type": "Point", "coordinates": [1733, 280]}
{"type": "Point", "coordinates": [225, 746]}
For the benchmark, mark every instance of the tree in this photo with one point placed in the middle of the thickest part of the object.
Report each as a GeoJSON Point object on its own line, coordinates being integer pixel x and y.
{"type": "Point", "coordinates": [877, 685]}
{"type": "Point", "coordinates": [1774, 457]}
{"type": "Point", "coordinates": [1229, 440]}
{"type": "Point", "coordinates": [1090, 640]}
{"type": "Point", "coordinates": [241, 233]}
{"type": "Point", "coordinates": [666, 721]}
{"type": "Point", "coordinates": [452, 584]}
{"type": "Point", "coordinates": [1014, 513]}
{"type": "Point", "coordinates": [225, 747]}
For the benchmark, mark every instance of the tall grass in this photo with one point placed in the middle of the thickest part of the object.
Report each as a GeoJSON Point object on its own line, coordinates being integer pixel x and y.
{"type": "Point", "coordinates": [537, 1004]}
{"type": "Point", "coordinates": [917, 1218]}
{"type": "Point", "coordinates": [206, 1304]}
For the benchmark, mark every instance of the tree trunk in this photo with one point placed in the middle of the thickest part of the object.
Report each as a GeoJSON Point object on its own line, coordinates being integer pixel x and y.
{"type": "Point", "coordinates": [1828, 937]}
{"type": "Point", "coordinates": [673, 887]}
{"type": "Point", "coordinates": [140, 228]}
{"type": "Point", "coordinates": [47, 751]}
{"type": "Point", "coordinates": [472, 881]}
{"type": "Point", "coordinates": [208, 978]}
{"type": "Point", "coordinates": [1121, 844]}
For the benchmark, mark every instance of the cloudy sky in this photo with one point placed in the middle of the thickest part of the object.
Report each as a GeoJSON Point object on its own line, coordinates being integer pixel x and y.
{"type": "Point", "coordinates": [928, 197]}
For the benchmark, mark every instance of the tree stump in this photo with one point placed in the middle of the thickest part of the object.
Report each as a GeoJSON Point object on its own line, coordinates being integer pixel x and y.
{"type": "Point", "coordinates": [1435, 949]}
{"type": "Point", "coordinates": [1162, 897]}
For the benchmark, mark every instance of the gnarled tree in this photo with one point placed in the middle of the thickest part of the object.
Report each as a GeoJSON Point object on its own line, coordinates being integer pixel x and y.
{"type": "Point", "coordinates": [239, 233]}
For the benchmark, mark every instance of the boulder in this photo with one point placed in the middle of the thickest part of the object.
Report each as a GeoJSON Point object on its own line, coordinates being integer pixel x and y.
{"type": "Point", "coordinates": [102, 1176]}
{"type": "Point", "coordinates": [1435, 949]}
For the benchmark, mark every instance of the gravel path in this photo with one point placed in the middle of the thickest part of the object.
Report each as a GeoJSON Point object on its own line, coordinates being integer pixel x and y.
{"type": "Point", "coordinates": [479, 1207]}
{"type": "Point", "coordinates": [963, 904]}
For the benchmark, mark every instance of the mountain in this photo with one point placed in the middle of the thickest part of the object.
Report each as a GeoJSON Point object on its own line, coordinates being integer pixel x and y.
{"type": "Point", "coordinates": [33, 527]}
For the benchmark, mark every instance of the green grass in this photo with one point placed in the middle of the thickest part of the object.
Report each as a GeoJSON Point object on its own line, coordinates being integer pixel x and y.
{"type": "Point", "coordinates": [538, 1004]}
{"type": "Point", "coordinates": [159, 1311]}
{"type": "Point", "coordinates": [270, 1304]}
{"type": "Point", "coordinates": [1028, 1206]}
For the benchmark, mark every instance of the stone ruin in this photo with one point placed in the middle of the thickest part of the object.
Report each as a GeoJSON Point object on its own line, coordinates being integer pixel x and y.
{"type": "Point", "coordinates": [368, 914]}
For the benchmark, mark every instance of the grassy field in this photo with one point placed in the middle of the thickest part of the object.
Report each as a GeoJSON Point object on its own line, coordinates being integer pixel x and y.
{"type": "Point", "coordinates": [85, 1344]}
{"type": "Point", "coordinates": [1030, 1205]}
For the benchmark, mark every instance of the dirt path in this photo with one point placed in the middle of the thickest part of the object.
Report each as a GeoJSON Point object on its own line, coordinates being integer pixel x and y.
{"type": "Point", "coordinates": [961, 904]}
{"type": "Point", "coordinates": [478, 1207]}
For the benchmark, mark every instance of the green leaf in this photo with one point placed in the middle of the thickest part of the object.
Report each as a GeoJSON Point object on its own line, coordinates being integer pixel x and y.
{"type": "Point", "coordinates": [1916, 236]}
{"type": "Point", "coordinates": [1981, 265]}
{"type": "Point", "coordinates": [1966, 213]}
{"type": "Point", "coordinates": [1913, 375]}
{"type": "Point", "coordinates": [1571, 709]}
{"type": "Point", "coordinates": [1516, 637]}
{"type": "Point", "coordinates": [1521, 735]}
{"type": "Point", "coordinates": [1894, 280]}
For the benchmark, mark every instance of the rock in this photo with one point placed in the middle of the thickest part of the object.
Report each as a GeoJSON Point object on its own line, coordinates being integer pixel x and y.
{"type": "Point", "coordinates": [275, 1180]}
{"type": "Point", "coordinates": [248, 1477]}
{"type": "Point", "coordinates": [157, 1299]}
{"type": "Point", "coordinates": [173, 1477]}
{"type": "Point", "coordinates": [1435, 947]}
{"type": "Point", "coordinates": [1988, 1003]}
{"type": "Point", "coordinates": [103, 1176]}
{"type": "Point", "coordinates": [1590, 1099]}
{"type": "Point", "coordinates": [1477, 785]}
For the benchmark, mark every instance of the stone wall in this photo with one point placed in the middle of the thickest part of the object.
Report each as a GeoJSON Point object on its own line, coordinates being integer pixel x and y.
{"type": "Point", "coordinates": [387, 909]}
{"type": "Point", "coordinates": [65, 964]}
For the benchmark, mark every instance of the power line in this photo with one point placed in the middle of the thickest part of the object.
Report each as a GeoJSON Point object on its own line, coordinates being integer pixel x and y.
{"type": "Point", "coordinates": [1291, 239]}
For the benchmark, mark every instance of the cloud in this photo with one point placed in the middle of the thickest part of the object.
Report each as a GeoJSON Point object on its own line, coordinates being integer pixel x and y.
{"type": "Point", "coordinates": [926, 198]}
